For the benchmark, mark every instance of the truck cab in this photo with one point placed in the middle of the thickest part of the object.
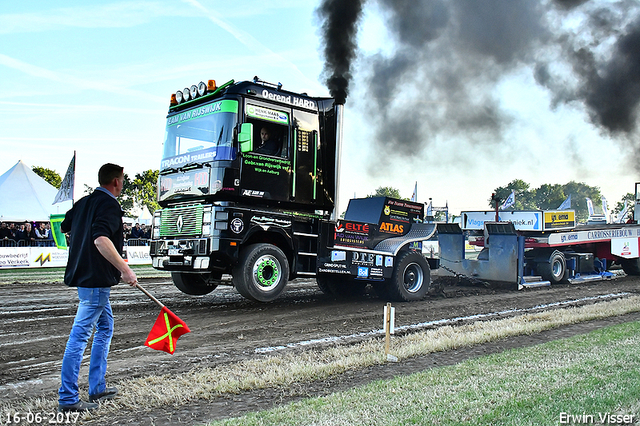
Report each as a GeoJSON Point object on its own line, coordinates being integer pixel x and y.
{"type": "Point", "coordinates": [221, 191]}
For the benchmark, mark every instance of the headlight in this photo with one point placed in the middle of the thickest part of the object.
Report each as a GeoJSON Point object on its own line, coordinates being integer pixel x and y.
{"type": "Point", "coordinates": [186, 94]}
{"type": "Point", "coordinates": [206, 217]}
{"type": "Point", "coordinates": [206, 229]}
{"type": "Point", "coordinates": [156, 221]}
{"type": "Point", "coordinates": [156, 233]}
{"type": "Point", "coordinates": [202, 88]}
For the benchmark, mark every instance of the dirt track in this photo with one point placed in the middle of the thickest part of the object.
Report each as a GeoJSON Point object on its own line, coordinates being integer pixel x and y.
{"type": "Point", "coordinates": [225, 327]}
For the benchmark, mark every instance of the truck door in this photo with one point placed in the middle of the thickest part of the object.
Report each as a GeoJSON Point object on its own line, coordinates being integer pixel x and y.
{"type": "Point", "coordinates": [305, 157]}
{"type": "Point", "coordinates": [266, 170]}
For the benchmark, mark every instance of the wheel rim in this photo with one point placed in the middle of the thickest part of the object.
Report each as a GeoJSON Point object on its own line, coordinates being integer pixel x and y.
{"type": "Point", "coordinates": [267, 272]}
{"type": "Point", "coordinates": [413, 277]}
{"type": "Point", "coordinates": [556, 268]}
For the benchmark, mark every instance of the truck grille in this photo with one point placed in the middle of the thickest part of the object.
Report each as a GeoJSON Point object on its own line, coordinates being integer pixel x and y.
{"type": "Point", "coordinates": [181, 221]}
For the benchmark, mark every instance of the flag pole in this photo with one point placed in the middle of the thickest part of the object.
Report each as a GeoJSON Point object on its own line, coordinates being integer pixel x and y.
{"type": "Point", "coordinates": [73, 186]}
{"type": "Point", "coordinates": [142, 289]}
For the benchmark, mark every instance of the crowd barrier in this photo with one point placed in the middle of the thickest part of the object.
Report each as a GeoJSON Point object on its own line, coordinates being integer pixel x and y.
{"type": "Point", "coordinates": [25, 243]}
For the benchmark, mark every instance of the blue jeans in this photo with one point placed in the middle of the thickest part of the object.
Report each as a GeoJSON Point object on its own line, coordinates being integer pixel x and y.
{"type": "Point", "coordinates": [94, 310]}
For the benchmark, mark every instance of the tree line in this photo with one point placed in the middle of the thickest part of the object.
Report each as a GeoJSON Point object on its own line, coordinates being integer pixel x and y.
{"type": "Point", "coordinates": [545, 197]}
{"type": "Point", "coordinates": [551, 196]}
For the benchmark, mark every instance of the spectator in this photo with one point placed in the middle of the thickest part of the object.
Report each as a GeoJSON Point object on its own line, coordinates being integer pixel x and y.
{"type": "Point", "coordinates": [42, 233]}
{"type": "Point", "coordinates": [136, 231]}
{"type": "Point", "coordinates": [126, 231]}
{"type": "Point", "coordinates": [5, 232]}
{"type": "Point", "coordinates": [145, 232]}
{"type": "Point", "coordinates": [12, 229]}
{"type": "Point", "coordinates": [30, 234]}
{"type": "Point", "coordinates": [20, 233]}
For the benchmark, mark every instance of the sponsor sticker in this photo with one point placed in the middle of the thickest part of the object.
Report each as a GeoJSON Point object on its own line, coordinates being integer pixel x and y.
{"type": "Point", "coordinates": [338, 255]}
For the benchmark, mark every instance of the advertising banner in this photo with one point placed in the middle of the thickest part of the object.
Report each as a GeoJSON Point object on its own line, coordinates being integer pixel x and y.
{"type": "Point", "coordinates": [559, 220]}
{"type": "Point", "coordinates": [53, 257]}
{"type": "Point", "coordinates": [33, 257]}
{"type": "Point", "coordinates": [137, 255]}
{"type": "Point", "coordinates": [522, 220]}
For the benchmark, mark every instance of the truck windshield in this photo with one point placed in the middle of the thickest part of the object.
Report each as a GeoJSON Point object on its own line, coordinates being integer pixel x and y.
{"type": "Point", "coordinates": [200, 135]}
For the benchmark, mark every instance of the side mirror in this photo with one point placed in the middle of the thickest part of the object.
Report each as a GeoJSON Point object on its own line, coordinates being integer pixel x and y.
{"type": "Point", "coordinates": [245, 137]}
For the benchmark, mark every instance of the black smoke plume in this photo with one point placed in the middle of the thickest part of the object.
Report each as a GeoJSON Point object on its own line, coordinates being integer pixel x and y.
{"type": "Point", "coordinates": [444, 77]}
{"type": "Point", "coordinates": [604, 55]}
{"type": "Point", "coordinates": [449, 56]}
{"type": "Point", "coordinates": [340, 20]}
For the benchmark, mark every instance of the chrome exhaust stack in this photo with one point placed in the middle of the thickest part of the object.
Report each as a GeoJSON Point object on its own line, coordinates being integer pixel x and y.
{"type": "Point", "coordinates": [339, 109]}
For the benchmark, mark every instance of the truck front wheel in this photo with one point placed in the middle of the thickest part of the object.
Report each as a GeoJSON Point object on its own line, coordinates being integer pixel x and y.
{"type": "Point", "coordinates": [194, 284]}
{"type": "Point", "coordinates": [411, 278]}
{"type": "Point", "coordinates": [261, 273]}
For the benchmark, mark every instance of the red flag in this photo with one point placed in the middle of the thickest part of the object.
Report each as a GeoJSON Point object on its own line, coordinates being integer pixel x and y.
{"type": "Point", "coordinates": [166, 331]}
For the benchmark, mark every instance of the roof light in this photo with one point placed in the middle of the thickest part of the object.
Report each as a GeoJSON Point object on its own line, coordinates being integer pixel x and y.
{"type": "Point", "coordinates": [189, 93]}
{"type": "Point", "coordinates": [202, 88]}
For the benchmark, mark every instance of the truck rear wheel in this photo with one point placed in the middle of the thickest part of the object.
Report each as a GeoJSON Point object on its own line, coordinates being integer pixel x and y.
{"type": "Point", "coordinates": [262, 272]}
{"type": "Point", "coordinates": [631, 266]}
{"type": "Point", "coordinates": [555, 270]}
{"type": "Point", "coordinates": [194, 284]}
{"type": "Point", "coordinates": [411, 278]}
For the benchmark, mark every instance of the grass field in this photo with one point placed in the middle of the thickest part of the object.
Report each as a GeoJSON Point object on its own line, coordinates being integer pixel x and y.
{"type": "Point", "coordinates": [587, 379]}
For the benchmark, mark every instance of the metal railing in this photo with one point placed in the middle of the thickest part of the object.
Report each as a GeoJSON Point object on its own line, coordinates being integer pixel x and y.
{"type": "Point", "coordinates": [137, 242]}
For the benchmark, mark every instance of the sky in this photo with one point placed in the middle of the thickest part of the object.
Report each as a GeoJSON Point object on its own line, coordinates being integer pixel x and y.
{"type": "Point", "coordinates": [457, 96]}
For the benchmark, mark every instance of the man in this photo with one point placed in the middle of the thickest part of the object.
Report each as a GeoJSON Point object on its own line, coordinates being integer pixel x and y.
{"type": "Point", "coordinates": [42, 233]}
{"type": "Point", "coordinates": [267, 146]}
{"type": "Point", "coordinates": [29, 234]}
{"type": "Point", "coordinates": [5, 233]}
{"type": "Point", "coordinates": [94, 265]}
{"type": "Point", "coordinates": [136, 232]}
{"type": "Point", "coordinates": [20, 233]}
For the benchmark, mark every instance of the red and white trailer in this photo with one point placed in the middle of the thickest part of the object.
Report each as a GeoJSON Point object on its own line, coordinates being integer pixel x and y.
{"type": "Point", "coordinates": [536, 248]}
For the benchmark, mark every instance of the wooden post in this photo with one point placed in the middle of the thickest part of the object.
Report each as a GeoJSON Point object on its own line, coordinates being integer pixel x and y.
{"type": "Point", "coordinates": [387, 329]}
{"type": "Point", "coordinates": [389, 324]}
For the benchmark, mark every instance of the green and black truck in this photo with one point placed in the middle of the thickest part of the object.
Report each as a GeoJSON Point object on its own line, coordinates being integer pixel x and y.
{"type": "Point", "coordinates": [235, 214]}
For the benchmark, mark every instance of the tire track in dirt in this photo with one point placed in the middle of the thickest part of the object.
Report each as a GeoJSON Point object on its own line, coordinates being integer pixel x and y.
{"type": "Point", "coordinates": [225, 327]}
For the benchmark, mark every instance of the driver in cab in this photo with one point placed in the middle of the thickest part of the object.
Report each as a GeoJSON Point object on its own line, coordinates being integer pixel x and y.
{"type": "Point", "coordinates": [267, 145]}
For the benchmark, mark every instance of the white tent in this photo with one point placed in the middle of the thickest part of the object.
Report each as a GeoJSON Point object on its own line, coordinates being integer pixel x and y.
{"type": "Point", "coordinates": [145, 216]}
{"type": "Point", "coordinates": [139, 214]}
{"type": "Point", "coordinates": [25, 196]}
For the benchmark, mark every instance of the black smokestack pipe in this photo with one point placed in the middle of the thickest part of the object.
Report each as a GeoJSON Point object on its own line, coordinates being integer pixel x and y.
{"type": "Point", "coordinates": [339, 111]}
{"type": "Point", "coordinates": [340, 26]}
